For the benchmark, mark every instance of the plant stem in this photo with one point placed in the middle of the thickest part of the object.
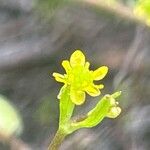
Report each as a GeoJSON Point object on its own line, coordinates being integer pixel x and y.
{"type": "Point", "coordinates": [57, 140]}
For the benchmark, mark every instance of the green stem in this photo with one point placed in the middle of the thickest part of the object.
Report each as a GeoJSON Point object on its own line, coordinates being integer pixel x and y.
{"type": "Point", "coordinates": [66, 110]}
{"type": "Point", "coordinates": [57, 140]}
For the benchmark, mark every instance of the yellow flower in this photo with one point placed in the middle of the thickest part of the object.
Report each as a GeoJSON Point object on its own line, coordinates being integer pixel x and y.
{"type": "Point", "coordinates": [80, 78]}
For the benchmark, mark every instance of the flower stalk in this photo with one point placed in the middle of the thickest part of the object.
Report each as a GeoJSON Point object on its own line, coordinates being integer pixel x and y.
{"type": "Point", "coordinates": [57, 140]}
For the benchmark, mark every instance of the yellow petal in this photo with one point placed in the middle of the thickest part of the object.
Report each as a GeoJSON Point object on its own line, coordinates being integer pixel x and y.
{"type": "Point", "coordinates": [77, 97]}
{"type": "Point", "coordinates": [59, 77]}
{"type": "Point", "coordinates": [100, 73]}
{"type": "Point", "coordinates": [66, 65]}
{"type": "Point", "coordinates": [77, 59]}
{"type": "Point", "coordinates": [87, 65]}
{"type": "Point", "coordinates": [92, 90]}
{"type": "Point", "coordinates": [100, 86]}
{"type": "Point", "coordinates": [114, 112]}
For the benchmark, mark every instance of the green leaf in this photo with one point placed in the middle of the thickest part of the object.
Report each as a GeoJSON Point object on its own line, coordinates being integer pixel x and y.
{"type": "Point", "coordinates": [66, 105]}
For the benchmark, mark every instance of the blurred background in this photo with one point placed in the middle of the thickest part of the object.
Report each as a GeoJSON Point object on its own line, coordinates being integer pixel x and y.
{"type": "Point", "coordinates": [36, 35]}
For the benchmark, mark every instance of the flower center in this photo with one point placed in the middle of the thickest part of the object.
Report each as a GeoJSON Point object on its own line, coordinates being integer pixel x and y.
{"type": "Point", "coordinates": [79, 77]}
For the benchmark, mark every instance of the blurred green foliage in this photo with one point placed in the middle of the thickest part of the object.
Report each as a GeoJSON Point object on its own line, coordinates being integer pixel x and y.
{"type": "Point", "coordinates": [10, 119]}
{"type": "Point", "coordinates": [142, 10]}
{"type": "Point", "coordinates": [46, 8]}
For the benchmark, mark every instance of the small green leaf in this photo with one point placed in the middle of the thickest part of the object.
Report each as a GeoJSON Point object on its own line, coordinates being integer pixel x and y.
{"type": "Point", "coordinates": [66, 105]}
